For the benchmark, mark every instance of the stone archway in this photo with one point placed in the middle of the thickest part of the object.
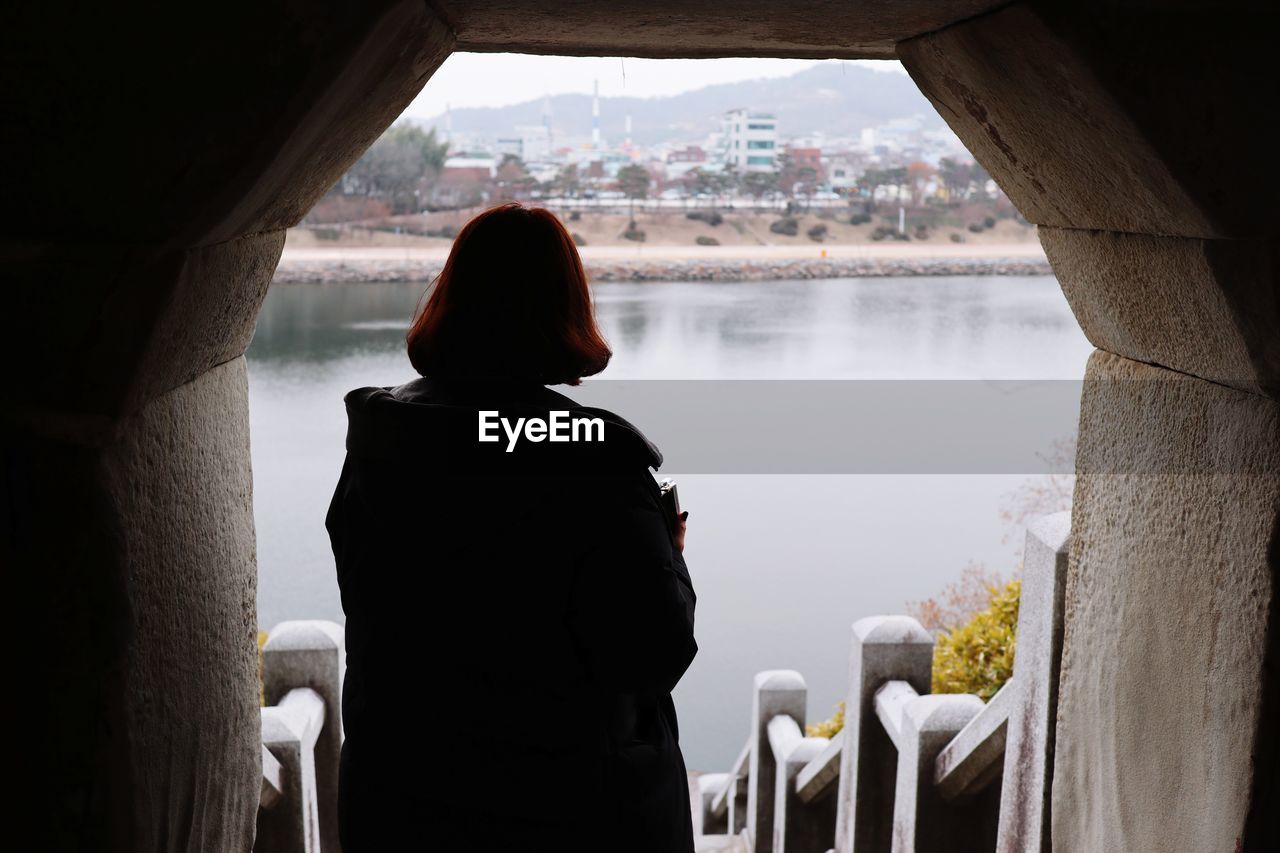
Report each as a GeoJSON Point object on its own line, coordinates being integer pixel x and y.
{"type": "Point", "coordinates": [155, 165]}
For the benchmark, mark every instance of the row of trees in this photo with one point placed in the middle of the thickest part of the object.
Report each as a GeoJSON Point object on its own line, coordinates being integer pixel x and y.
{"type": "Point", "coordinates": [402, 171]}
{"type": "Point", "coordinates": [399, 169]}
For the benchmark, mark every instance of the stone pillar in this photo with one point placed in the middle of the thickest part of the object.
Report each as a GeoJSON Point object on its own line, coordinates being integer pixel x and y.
{"type": "Point", "coordinates": [1029, 744]}
{"type": "Point", "coordinates": [885, 648]}
{"type": "Point", "coordinates": [923, 822]}
{"type": "Point", "coordinates": [1127, 134]}
{"type": "Point", "coordinates": [775, 691]}
{"type": "Point", "coordinates": [312, 654]}
{"type": "Point", "coordinates": [135, 571]}
{"type": "Point", "coordinates": [155, 198]}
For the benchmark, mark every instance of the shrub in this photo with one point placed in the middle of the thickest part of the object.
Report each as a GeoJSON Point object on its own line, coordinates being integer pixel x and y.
{"type": "Point", "coordinates": [977, 657]}
{"type": "Point", "coordinates": [326, 232]}
{"type": "Point", "coordinates": [704, 240]}
{"type": "Point", "coordinates": [828, 728]}
{"type": "Point", "coordinates": [957, 238]}
{"type": "Point", "coordinates": [976, 227]}
{"type": "Point", "coordinates": [859, 218]}
{"type": "Point", "coordinates": [577, 239]}
{"type": "Point", "coordinates": [633, 233]}
{"type": "Point", "coordinates": [882, 231]}
{"type": "Point", "coordinates": [711, 217]}
{"type": "Point", "coordinates": [817, 232]}
{"type": "Point", "coordinates": [989, 222]}
{"type": "Point", "coordinates": [922, 232]}
{"type": "Point", "coordinates": [787, 225]}
{"type": "Point", "coordinates": [575, 215]}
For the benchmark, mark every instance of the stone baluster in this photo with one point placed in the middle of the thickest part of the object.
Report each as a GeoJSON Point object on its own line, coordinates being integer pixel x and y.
{"type": "Point", "coordinates": [778, 691]}
{"type": "Point", "coordinates": [1028, 766]}
{"type": "Point", "coordinates": [798, 827]}
{"type": "Point", "coordinates": [884, 648]}
{"type": "Point", "coordinates": [923, 822]}
{"type": "Point", "coordinates": [312, 654]}
{"type": "Point", "coordinates": [291, 822]}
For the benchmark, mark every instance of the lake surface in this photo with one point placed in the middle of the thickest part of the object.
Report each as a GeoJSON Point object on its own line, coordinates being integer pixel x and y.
{"type": "Point", "coordinates": [783, 564]}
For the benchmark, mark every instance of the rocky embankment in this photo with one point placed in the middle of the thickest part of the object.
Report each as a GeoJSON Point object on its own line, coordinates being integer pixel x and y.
{"type": "Point", "coordinates": [362, 271]}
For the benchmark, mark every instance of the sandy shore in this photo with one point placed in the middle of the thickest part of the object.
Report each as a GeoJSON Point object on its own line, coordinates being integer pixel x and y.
{"type": "Point", "coordinates": [689, 263]}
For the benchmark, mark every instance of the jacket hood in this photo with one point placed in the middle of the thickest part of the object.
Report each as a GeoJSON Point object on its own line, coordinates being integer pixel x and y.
{"type": "Point", "coordinates": [438, 423]}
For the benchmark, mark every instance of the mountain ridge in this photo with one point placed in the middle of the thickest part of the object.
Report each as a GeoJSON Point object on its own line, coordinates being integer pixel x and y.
{"type": "Point", "coordinates": [837, 100]}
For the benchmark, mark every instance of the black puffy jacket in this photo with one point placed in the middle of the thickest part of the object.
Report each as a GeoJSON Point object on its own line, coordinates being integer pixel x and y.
{"type": "Point", "coordinates": [516, 622]}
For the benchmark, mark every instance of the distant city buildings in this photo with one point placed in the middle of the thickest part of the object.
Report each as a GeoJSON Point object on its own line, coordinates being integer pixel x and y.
{"type": "Point", "coordinates": [734, 159]}
{"type": "Point", "coordinates": [531, 143]}
{"type": "Point", "coordinates": [749, 141]}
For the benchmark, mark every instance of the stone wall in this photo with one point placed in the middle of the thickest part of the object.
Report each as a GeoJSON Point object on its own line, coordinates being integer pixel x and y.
{"type": "Point", "coordinates": [1123, 131]}
{"type": "Point", "coordinates": [370, 271]}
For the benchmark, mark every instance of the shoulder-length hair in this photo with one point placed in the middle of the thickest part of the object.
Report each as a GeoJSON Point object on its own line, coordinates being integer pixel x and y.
{"type": "Point", "coordinates": [512, 302]}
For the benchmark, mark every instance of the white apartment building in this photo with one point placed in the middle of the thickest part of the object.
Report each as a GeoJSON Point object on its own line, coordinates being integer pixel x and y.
{"type": "Point", "coordinates": [749, 141]}
{"type": "Point", "coordinates": [531, 143]}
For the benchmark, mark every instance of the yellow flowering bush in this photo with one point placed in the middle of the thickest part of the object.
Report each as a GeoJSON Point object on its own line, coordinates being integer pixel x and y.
{"type": "Point", "coordinates": [828, 728]}
{"type": "Point", "coordinates": [977, 657]}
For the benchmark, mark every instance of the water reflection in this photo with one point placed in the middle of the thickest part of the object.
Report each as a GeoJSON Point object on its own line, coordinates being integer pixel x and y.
{"type": "Point", "coordinates": [960, 327]}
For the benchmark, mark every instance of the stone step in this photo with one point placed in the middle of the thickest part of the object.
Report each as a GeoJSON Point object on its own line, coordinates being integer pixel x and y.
{"type": "Point", "coordinates": [720, 844]}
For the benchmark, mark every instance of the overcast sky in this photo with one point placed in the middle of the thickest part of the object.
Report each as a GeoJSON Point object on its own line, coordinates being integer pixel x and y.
{"type": "Point", "coordinates": [498, 79]}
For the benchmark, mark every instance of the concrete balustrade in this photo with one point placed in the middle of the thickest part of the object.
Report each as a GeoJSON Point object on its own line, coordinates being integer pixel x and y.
{"type": "Point", "coordinates": [303, 664]}
{"type": "Point", "coordinates": [289, 733]}
{"type": "Point", "coordinates": [884, 648]}
{"type": "Point", "coordinates": [729, 804]}
{"type": "Point", "coordinates": [798, 826]}
{"type": "Point", "coordinates": [776, 692]}
{"type": "Point", "coordinates": [1025, 789]}
{"type": "Point", "coordinates": [705, 820]}
{"type": "Point", "coordinates": [974, 757]}
{"type": "Point", "coordinates": [909, 771]}
{"type": "Point", "coordinates": [922, 820]}
{"type": "Point", "coordinates": [272, 780]}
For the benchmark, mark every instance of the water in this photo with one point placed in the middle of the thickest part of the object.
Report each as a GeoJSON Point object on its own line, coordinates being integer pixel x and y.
{"type": "Point", "coordinates": [782, 564]}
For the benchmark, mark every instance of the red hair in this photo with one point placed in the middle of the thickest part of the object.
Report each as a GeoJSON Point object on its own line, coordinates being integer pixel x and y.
{"type": "Point", "coordinates": [512, 302]}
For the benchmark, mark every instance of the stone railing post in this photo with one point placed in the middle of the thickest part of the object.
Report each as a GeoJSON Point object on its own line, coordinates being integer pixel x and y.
{"type": "Point", "coordinates": [312, 654]}
{"type": "Point", "coordinates": [923, 822]}
{"type": "Point", "coordinates": [704, 822]}
{"type": "Point", "coordinates": [291, 823]}
{"type": "Point", "coordinates": [885, 648]}
{"type": "Point", "coordinates": [798, 827]}
{"type": "Point", "coordinates": [737, 817]}
{"type": "Point", "coordinates": [777, 691]}
{"type": "Point", "coordinates": [1028, 766]}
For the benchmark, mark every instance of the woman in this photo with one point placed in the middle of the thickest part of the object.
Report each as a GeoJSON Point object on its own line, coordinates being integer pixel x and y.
{"type": "Point", "coordinates": [518, 611]}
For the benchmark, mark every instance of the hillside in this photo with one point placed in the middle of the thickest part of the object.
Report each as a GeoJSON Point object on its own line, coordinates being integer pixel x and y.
{"type": "Point", "coordinates": [838, 99]}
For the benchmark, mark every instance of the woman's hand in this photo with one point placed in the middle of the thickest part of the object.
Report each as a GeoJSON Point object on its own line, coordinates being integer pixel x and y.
{"type": "Point", "coordinates": [677, 537]}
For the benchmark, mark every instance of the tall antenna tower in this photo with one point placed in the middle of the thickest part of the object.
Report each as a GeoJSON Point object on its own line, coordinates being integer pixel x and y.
{"type": "Point", "coordinates": [595, 114]}
{"type": "Point", "coordinates": [546, 117]}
